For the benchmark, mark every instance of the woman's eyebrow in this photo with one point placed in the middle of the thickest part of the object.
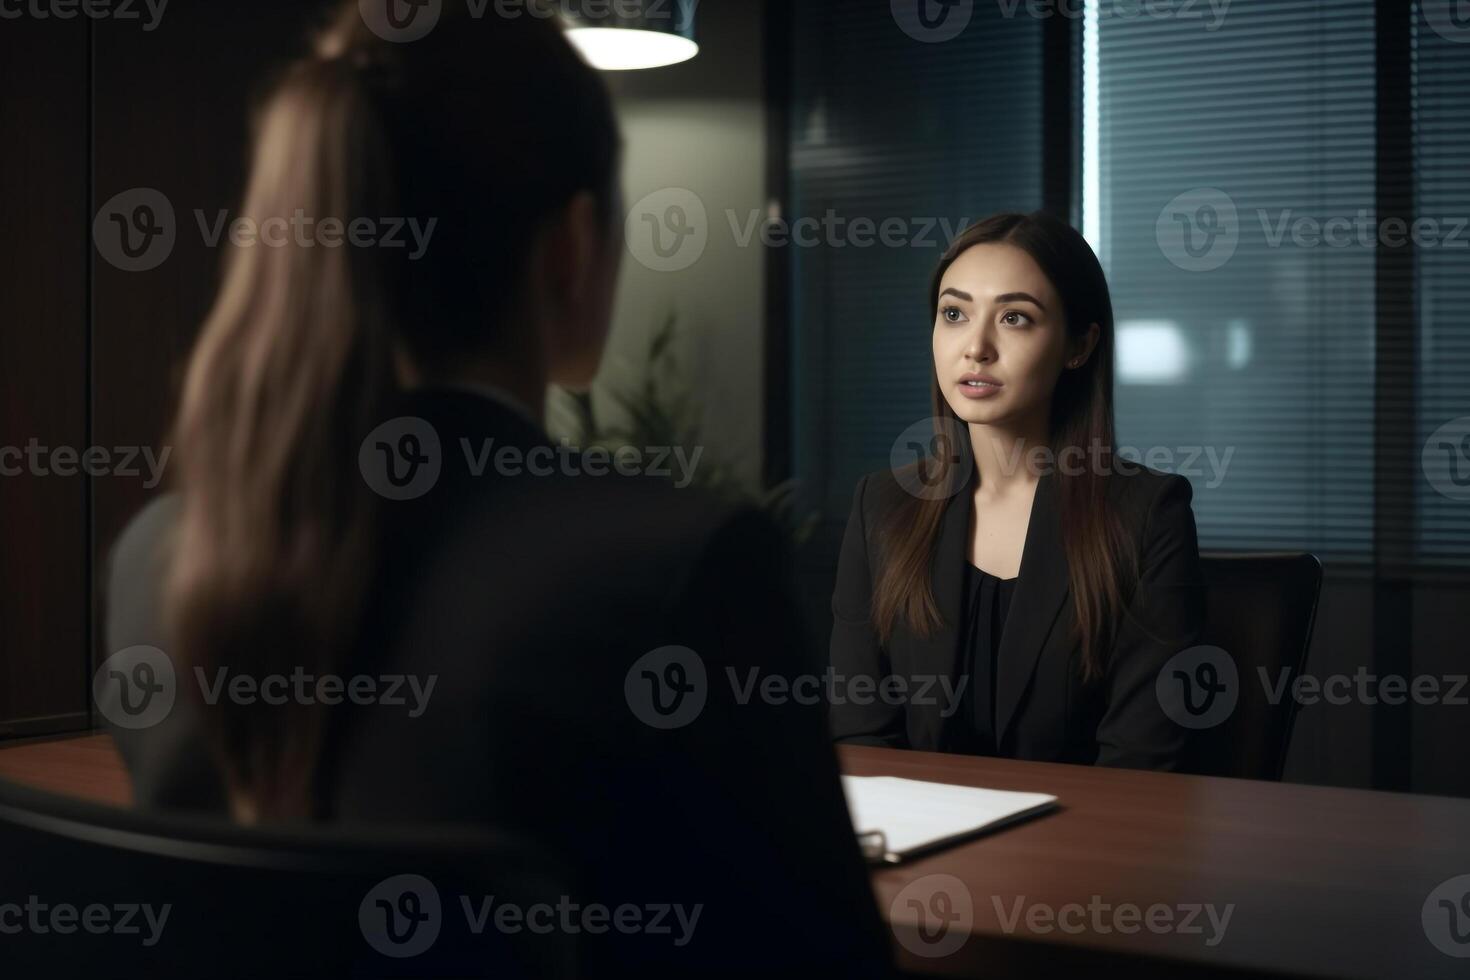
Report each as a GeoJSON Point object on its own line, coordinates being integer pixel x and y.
{"type": "Point", "coordinates": [1002, 298]}
{"type": "Point", "coordinates": [1013, 297]}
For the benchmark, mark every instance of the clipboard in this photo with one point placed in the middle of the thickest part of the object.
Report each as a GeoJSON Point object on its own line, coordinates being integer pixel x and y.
{"type": "Point", "coordinates": [950, 815]}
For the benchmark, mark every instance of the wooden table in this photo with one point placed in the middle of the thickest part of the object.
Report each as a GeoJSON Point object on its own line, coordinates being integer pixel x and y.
{"type": "Point", "coordinates": [1318, 881]}
{"type": "Point", "coordinates": [1323, 882]}
{"type": "Point", "coordinates": [87, 766]}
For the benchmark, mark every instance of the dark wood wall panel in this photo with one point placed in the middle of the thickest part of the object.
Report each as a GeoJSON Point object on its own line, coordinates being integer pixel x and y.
{"type": "Point", "coordinates": [43, 382]}
{"type": "Point", "coordinates": [172, 115]}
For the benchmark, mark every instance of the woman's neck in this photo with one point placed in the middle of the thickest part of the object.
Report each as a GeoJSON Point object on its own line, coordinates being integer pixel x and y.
{"type": "Point", "coordinates": [521, 379]}
{"type": "Point", "coordinates": [1005, 458]}
{"type": "Point", "coordinates": [528, 391]}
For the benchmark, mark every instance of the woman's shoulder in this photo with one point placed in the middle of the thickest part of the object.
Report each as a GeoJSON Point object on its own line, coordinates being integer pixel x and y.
{"type": "Point", "coordinates": [137, 549]}
{"type": "Point", "coordinates": [880, 491]}
{"type": "Point", "coordinates": [1142, 496]}
{"type": "Point", "coordinates": [1136, 484]}
{"type": "Point", "coordinates": [134, 572]}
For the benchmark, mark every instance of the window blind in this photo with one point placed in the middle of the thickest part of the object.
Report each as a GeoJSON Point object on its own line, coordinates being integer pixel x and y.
{"type": "Point", "coordinates": [1225, 161]}
{"type": "Point", "coordinates": [892, 122]}
{"type": "Point", "coordinates": [1441, 96]}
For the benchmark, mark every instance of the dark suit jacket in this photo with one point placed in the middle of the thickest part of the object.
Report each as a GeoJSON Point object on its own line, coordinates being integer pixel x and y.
{"type": "Point", "coordinates": [1044, 710]}
{"type": "Point", "coordinates": [530, 598]}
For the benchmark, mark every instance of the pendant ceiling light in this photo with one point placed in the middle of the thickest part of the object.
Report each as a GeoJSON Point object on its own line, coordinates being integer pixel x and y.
{"type": "Point", "coordinates": [620, 35]}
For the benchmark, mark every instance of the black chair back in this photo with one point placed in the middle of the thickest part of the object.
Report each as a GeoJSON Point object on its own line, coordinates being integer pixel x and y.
{"type": "Point", "coordinates": [1261, 609]}
{"type": "Point", "coordinates": [88, 890]}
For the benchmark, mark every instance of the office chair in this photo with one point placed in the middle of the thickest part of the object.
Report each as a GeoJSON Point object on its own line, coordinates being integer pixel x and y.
{"type": "Point", "coordinates": [1260, 609]}
{"type": "Point", "coordinates": [83, 889]}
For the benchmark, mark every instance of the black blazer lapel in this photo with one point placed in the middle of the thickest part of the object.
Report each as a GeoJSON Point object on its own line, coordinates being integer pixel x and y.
{"type": "Point", "coordinates": [1037, 602]}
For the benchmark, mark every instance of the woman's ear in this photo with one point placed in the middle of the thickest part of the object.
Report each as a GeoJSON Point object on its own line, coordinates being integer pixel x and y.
{"type": "Point", "coordinates": [1082, 349]}
{"type": "Point", "coordinates": [573, 276]}
{"type": "Point", "coordinates": [572, 245]}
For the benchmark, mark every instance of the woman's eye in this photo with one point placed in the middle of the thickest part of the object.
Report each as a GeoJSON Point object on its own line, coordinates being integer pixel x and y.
{"type": "Point", "coordinates": [1014, 318]}
{"type": "Point", "coordinates": [952, 314]}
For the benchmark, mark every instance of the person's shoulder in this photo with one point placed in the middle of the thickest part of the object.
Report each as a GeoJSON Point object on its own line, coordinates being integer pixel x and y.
{"type": "Point", "coordinates": [659, 516]}
{"type": "Point", "coordinates": [629, 527]}
{"type": "Point", "coordinates": [134, 573]}
{"type": "Point", "coordinates": [642, 503]}
{"type": "Point", "coordinates": [1129, 480]}
{"type": "Point", "coordinates": [138, 545]}
{"type": "Point", "coordinates": [881, 491]}
{"type": "Point", "coordinates": [1137, 490]}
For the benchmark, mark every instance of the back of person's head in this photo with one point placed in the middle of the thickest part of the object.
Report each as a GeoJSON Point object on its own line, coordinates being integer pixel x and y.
{"type": "Point", "coordinates": [500, 142]}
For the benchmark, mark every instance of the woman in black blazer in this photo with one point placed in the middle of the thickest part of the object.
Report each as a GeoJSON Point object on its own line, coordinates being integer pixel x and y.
{"type": "Point", "coordinates": [1016, 589]}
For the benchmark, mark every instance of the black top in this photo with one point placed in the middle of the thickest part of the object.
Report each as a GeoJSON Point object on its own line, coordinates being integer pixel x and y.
{"type": "Point", "coordinates": [984, 602]}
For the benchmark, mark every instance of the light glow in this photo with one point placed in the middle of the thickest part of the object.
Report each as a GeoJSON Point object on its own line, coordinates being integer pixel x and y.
{"type": "Point", "coordinates": [628, 49]}
{"type": "Point", "coordinates": [1151, 352]}
{"type": "Point", "coordinates": [1237, 344]}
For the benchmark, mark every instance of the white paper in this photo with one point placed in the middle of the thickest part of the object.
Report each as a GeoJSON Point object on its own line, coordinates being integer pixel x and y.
{"type": "Point", "coordinates": [914, 814]}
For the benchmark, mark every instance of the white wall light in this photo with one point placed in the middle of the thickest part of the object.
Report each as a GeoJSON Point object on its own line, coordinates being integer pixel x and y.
{"type": "Point", "coordinates": [632, 34]}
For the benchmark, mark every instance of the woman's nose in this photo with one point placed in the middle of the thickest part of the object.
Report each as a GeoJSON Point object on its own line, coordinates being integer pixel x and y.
{"type": "Point", "coordinates": [981, 345]}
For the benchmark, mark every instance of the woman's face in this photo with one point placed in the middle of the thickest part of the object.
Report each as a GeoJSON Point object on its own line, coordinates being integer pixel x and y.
{"type": "Point", "coordinates": [999, 326]}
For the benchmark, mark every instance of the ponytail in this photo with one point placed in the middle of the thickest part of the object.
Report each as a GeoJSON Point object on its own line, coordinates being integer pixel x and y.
{"type": "Point", "coordinates": [487, 128]}
{"type": "Point", "coordinates": [276, 540]}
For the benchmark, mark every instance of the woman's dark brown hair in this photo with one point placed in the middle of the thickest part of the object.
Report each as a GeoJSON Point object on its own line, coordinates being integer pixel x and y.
{"type": "Point", "coordinates": [485, 127]}
{"type": "Point", "coordinates": [1100, 562]}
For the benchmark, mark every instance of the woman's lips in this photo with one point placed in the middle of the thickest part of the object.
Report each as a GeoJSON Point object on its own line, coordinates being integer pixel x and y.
{"type": "Point", "coordinates": [979, 389]}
